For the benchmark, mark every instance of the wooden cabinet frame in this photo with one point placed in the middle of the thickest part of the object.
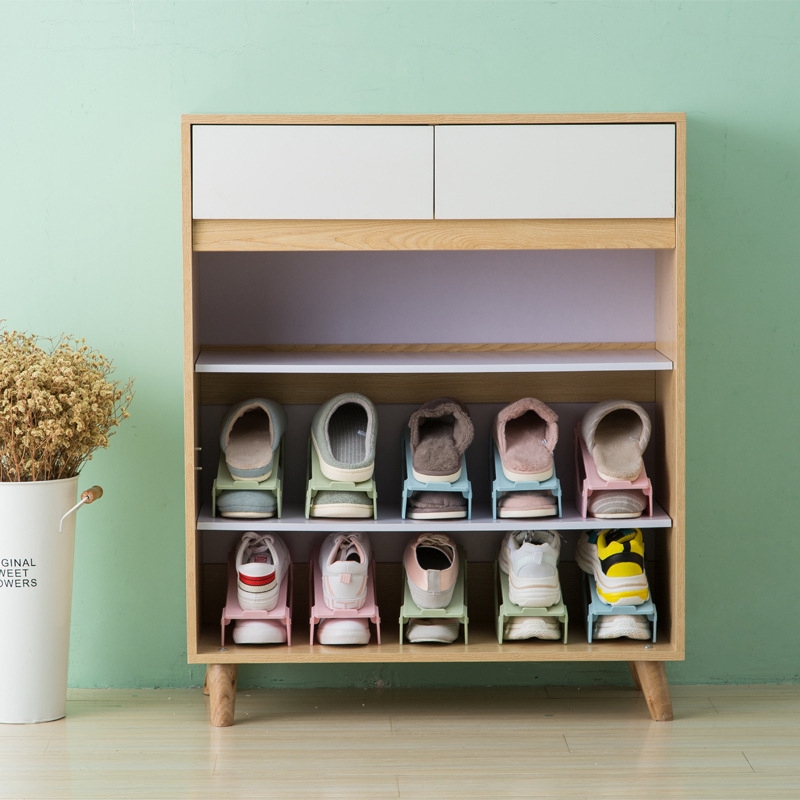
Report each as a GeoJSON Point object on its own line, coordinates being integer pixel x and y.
{"type": "Point", "coordinates": [664, 388]}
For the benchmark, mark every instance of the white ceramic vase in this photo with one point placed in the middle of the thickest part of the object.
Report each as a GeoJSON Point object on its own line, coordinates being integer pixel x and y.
{"type": "Point", "coordinates": [35, 598]}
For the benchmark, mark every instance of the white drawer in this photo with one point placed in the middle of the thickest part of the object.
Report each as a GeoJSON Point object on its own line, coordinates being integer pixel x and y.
{"type": "Point", "coordinates": [607, 171]}
{"type": "Point", "coordinates": [312, 172]}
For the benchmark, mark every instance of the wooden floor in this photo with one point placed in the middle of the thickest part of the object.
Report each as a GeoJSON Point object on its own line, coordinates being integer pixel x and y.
{"type": "Point", "coordinates": [725, 742]}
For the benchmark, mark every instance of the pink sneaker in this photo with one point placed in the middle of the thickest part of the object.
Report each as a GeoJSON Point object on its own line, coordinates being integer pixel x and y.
{"type": "Point", "coordinates": [344, 561]}
{"type": "Point", "coordinates": [431, 564]}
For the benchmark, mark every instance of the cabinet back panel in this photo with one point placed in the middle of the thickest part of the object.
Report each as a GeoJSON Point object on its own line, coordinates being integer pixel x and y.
{"type": "Point", "coordinates": [426, 297]}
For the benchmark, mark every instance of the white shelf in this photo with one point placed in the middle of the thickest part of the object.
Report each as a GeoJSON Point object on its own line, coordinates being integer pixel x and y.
{"type": "Point", "coordinates": [252, 361]}
{"type": "Point", "coordinates": [389, 521]}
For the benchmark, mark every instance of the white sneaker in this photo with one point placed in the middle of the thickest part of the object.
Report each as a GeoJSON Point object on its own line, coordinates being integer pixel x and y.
{"type": "Point", "coordinates": [431, 565]}
{"type": "Point", "coordinates": [530, 558]}
{"type": "Point", "coordinates": [262, 561]}
{"type": "Point", "coordinates": [259, 631]}
{"type": "Point", "coordinates": [429, 629]}
{"type": "Point", "coordinates": [613, 626]}
{"type": "Point", "coordinates": [343, 630]}
{"type": "Point", "coordinates": [532, 628]}
{"type": "Point", "coordinates": [344, 562]}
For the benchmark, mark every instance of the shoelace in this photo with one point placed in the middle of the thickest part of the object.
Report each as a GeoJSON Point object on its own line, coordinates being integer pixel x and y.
{"type": "Point", "coordinates": [257, 548]}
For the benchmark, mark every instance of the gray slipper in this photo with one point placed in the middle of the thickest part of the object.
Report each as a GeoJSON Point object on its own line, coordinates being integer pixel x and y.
{"type": "Point", "coordinates": [343, 433]}
{"type": "Point", "coordinates": [246, 504]}
{"type": "Point", "coordinates": [616, 433]}
{"type": "Point", "coordinates": [249, 437]}
{"type": "Point", "coordinates": [441, 430]}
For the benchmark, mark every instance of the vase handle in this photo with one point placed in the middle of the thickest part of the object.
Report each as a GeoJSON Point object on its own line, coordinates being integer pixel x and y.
{"type": "Point", "coordinates": [89, 496]}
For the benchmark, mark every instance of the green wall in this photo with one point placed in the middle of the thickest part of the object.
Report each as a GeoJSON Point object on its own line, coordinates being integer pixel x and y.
{"type": "Point", "coordinates": [90, 100]}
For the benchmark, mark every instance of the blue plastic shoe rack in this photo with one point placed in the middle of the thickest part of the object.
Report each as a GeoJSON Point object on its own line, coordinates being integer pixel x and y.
{"type": "Point", "coordinates": [317, 482]}
{"type": "Point", "coordinates": [457, 608]}
{"type": "Point", "coordinates": [224, 482]}
{"type": "Point", "coordinates": [411, 484]}
{"type": "Point", "coordinates": [597, 607]}
{"type": "Point", "coordinates": [505, 609]}
{"type": "Point", "coordinates": [501, 484]}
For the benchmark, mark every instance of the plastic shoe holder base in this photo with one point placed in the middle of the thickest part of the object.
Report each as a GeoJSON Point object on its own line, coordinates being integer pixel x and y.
{"type": "Point", "coordinates": [505, 609]}
{"type": "Point", "coordinates": [501, 484]}
{"type": "Point", "coordinates": [281, 613]}
{"type": "Point", "coordinates": [317, 482]}
{"type": "Point", "coordinates": [597, 607]}
{"type": "Point", "coordinates": [225, 483]}
{"type": "Point", "coordinates": [589, 481]}
{"type": "Point", "coordinates": [411, 484]}
{"type": "Point", "coordinates": [457, 608]}
{"type": "Point", "coordinates": [320, 612]}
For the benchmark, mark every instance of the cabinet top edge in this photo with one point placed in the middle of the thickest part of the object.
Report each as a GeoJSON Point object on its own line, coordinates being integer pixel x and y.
{"type": "Point", "coordinates": [429, 119]}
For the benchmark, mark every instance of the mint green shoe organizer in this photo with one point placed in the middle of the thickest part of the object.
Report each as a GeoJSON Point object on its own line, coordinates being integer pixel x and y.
{"type": "Point", "coordinates": [317, 482]}
{"type": "Point", "coordinates": [457, 609]}
{"type": "Point", "coordinates": [224, 482]}
{"type": "Point", "coordinates": [411, 484]}
{"type": "Point", "coordinates": [501, 484]}
{"type": "Point", "coordinates": [505, 609]}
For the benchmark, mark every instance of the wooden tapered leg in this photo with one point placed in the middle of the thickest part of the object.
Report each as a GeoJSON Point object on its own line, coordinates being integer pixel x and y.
{"type": "Point", "coordinates": [221, 687]}
{"type": "Point", "coordinates": [651, 677]}
{"type": "Point", "coordinates": [634, 675]}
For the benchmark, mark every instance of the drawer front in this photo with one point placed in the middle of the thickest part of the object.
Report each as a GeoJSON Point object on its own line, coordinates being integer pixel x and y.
{"type": "Point", "coordinates": [312, 172]}
{"type": "Point", "coordinates": [608, 171]}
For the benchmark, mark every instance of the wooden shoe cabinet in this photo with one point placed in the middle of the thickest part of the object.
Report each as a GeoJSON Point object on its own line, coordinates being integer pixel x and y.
{"type": "Point", "coordinates": [487, 258]}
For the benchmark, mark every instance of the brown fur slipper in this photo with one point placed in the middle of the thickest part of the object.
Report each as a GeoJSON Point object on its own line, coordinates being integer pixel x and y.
{"type": "Point", "coordinates": [441, 431]}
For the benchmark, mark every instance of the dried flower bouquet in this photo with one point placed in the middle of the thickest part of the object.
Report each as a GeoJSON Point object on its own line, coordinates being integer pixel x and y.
{"type": "Point", "coordinates": [58, 406]}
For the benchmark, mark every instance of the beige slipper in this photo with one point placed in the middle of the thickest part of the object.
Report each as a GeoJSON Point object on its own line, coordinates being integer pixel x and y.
{"type": "Point", "coordinates": [616, 433]}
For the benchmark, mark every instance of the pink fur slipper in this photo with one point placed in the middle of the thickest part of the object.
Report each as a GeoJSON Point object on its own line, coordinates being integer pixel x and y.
{"type": "Point", "coordinates": [526, 433]}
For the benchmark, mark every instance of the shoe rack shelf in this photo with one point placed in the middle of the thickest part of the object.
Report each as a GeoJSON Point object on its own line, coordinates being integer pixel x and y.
{"type": "Point", "coordinates": [435, 291]}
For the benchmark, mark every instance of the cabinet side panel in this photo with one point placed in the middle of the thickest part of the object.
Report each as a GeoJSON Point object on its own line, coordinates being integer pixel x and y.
{"type": "Point", "coordinates": [191, 433]}
{"type": "Point", "coordinates": [670, 322]}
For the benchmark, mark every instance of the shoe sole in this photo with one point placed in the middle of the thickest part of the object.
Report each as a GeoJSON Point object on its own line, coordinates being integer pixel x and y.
{"type": "Point", "coordinates": [615, 628]}
{"type": "Point", "coordinates": [423, 478]}
{"type": "Point", "coordinates": [625, 515]}
{"type": "Point", "coordinates": [522, 514]}
{"type": "Point", "coordinates": [528, 596]}
{"type": "Point", "coordinates": [351, 475]}
{"type": "Point", "coordinates": [341, 511]}
{"type": "Point", "coordinates": [269, 601]}
{"type": "Point", "coordinates": [436, 514]}
{"type": "Point", "coordinates": [247, 514]}
{"type": "Point", "coordinates": [528, 477]}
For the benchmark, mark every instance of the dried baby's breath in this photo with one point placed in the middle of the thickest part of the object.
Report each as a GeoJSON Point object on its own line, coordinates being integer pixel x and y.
{"type": "Point", "coordinates": [57, 406]}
